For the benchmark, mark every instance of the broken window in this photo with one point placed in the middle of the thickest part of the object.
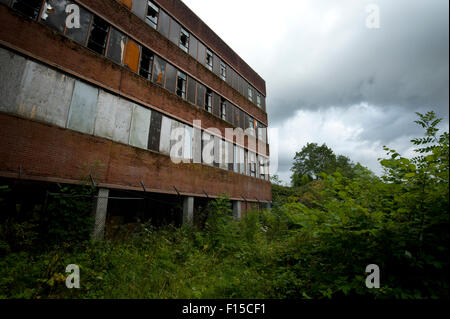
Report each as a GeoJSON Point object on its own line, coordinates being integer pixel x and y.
{"type": "Point", "coordinates": [258, 100]}
{"type": "Point", "coordinates": [159, 71]}
{"type": "Point", "coordinates": [54, 14]}
{"type": "Point", "coordinates": [152, 14]}
{"type": "Point", "coordinates": [99, 35]}
{"type": "Point", "coordinates": [223, 109]}
{"type": "Point", "coordinates": [223, 71]}
{"type": "Point", "coordinates": [80, 34]}
{"type": "Point", "coordinates": [208, 100]}
{"type": "Point", "coordinates": [116, 46]}
{"type": "Point", "coordinates": [209, 59]}
{"type": "Point", "coordinates": [155, 131]}
{"type": "Point", "coordinates": [146, 65]}
{"type": "Point", "coordinates": [181, 85]}
{"type": "Point", "coordinates": [30, 8]}
{"type": "Point", "coordinates": [131, 59]}
{"type": "Point", "coordinates": [250, 93]}
{"type": "Point", "coordinates": [184, 40]}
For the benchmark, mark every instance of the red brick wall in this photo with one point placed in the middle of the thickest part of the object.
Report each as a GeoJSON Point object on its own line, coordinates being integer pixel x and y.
{"type": "Point", "coordinates": [46, 45]}
{"type": "Point", "coordinates": [44, 152]}
{"type": "Point", "coordinates": [188, 18]}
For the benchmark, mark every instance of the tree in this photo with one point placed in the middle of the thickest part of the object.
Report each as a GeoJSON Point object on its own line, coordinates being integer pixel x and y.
{"type": "Point", "coordinates": [314, 159]}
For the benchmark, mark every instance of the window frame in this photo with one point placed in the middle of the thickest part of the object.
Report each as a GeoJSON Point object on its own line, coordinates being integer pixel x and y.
{"type": "Point", "coordinates": [209, 58]}
{"type": "Point", "coordinates": [223, 71]}
{"type": "Point", "coordinates": [183, 77]}
{"type": "Point", "coordinates": [153, 24]}
{"type": "Point", "coordinates": [184, 47]}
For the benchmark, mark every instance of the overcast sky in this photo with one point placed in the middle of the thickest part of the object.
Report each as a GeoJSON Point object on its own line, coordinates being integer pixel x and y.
{"type": "Point", "coordinates": [332, 80]}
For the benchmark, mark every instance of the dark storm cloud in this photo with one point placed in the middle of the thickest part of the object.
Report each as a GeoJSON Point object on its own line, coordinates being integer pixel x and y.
{"type": "Point", "coordinates": [403, 64]}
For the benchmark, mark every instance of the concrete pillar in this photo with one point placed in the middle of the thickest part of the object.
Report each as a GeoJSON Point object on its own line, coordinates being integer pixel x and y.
{"type": "Point", "coordinates": [100, 209]}
{"type": "Point", "coordinates": [188, 210]}
{"type": "Point", "coordinates": [237, 206]}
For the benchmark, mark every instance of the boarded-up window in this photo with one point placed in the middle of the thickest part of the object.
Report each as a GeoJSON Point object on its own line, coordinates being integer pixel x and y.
{"type": "Point", "coordinates": [174, 34]}
{"type": "Point", "coordinates": [163, 24]}
{"type": "Point", "coordinates": [83, 108]}
{"type": "Point", "coordinates": [140, 127]}
{"type": "Point", "coordinates": [113, 120]}
{"type": "Point", "coordinates": [166, 128]}
{"type": "Point", "coordinates": [191, 90]}
{"type": "Point", "coordinates": [116, 47]}
{"type": "Point", "coordinates": [201, 90]}
{"type": "Point", "coordinates": [229, 151]}
{"type": "Point", "coordinates": [155, 131]}
{"type": "Point", "coordinates": [146, 65]}
{"type": "Point", "coordinates": [132, 56]}
{"type": "Point", "coordinates": [171, 75]}
{"type": "Point", "coordinates": [54, 14]}
{"type": "Point", "coordinates": [216, 104]}
{"type": "Point", "coordinates": [159, 71]}
{"type": "Point", "coordinates": [201, 57]}
{"type": "Point", "coordinates": [30, 8]}
{"type": "Point", "coordinates": [99, 35]}
{"type": "Point", "coordinates": [193, 46]}
{"type": "Point", "coordinates": [127, 3]}
{"type": "Point", "coordinates": [80, 34]}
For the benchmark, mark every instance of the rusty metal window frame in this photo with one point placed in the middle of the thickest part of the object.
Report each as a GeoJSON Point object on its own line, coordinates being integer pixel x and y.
{"type": "Point", "coordinates": [37, 11]}
{"type": "Point", "coordinates": [223, 71]}
{"type": "Point", "coordinates": [181, 84]}
{"type": "Point", "coordinates": [223, 109]}
{"type": "Point", "coordinates": [184, 39]}
{"type": "Point", "coordinates": [150, 56]}
{"type": "Point", "coordinates": [153, 21]}
{"type": "Point", "coordinates": [209, 59]}
{"type": "Point", "coordinates": [208, 100]}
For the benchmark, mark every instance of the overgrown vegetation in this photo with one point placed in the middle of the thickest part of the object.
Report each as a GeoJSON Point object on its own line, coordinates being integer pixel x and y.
{"type": "Point", "coordinates": [315, 242]}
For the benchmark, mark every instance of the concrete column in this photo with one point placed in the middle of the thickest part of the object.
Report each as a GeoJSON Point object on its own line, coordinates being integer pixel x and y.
{"type": "Point", "coordinates": [100, 209]}
{"type": "Point", "coordinates": [188, 210]}
{"type": "Point", "coordinates": [237, 213]}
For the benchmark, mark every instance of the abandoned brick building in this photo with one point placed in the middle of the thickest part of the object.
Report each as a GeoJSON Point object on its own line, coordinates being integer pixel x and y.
{"type": "Point", "coordinates": [112, 89]}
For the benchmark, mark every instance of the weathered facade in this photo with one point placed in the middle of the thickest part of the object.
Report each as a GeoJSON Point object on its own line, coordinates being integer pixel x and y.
{"type": "Point", "coordinates": [128, 85]}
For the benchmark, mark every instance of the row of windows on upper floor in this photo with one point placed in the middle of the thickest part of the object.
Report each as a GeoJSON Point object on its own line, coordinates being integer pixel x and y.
{"type": "Point", "coordinates": [172, 30]}
{"type": "Point", "coordinates": [98, 35]}
{"type": "Point", "coordinates": [64, 101]}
